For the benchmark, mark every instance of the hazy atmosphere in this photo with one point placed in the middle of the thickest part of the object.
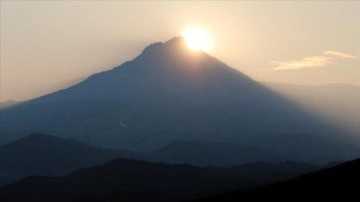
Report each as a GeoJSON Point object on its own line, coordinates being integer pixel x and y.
{"type": "Point", "coordinates": [48, 45]}
{"type": "Point", "coordinates": [174, 101]}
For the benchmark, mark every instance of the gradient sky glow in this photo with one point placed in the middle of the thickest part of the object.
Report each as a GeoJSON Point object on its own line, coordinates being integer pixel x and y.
{"type": "Point", "coordinates": [47, 45]}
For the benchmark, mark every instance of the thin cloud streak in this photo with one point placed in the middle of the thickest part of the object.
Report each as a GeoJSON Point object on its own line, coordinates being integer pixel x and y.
{"type": "Point", "coordinates": [338, 54]}
{"type": "Point", "coordinates": [323, 60]}
{"type": "Point", "coordinates": [308, 62]}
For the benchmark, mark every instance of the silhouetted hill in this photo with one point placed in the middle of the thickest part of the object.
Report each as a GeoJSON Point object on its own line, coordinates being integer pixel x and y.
{"type": "Point", "coordinates": [338, 183]}
{"type": "Point", "coordinates": [120, 179]}
{"type": "Point", "coordinates": [4, 199]}
{"type": "Point", "coordinates": [214, 153]}
{"type": "Point", "coordinates": [262, 173]}
{"type": "Point", "coordinates": [40, 154]}
{"type": "Point", "coordinates": [46, 155]}
{"type": "Point", "coordinates": [128, 196]}
{"type": "Point", "coordinates": [169, 93]}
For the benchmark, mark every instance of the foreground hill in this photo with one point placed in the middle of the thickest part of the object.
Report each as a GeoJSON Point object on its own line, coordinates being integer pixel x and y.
{"type": "Point", "coordinates": [40, 154]}
{"type": "Point", "coordinates": [262, 173]}
{"type": "Point", "coordinates": [206, 153]}
{"type": "Point", "coordinates": [169, 93]}
{"type": "Point", "coordinates": [338, 183]}
{"type": "Point", "coordinates": [46, 155]}
{"type": "Point", "coordinates": [121, 179]}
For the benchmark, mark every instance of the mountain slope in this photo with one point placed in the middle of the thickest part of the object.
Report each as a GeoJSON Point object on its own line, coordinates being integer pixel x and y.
{"type": "Point", "coordinates": [337, 103]}
{"type": "Point", "coordinates": [45, 155]}
{"type": "Point", "coordinates": [170, 94]}
{"type": "Point", "coordinates": [40, 154]}
{"type": "Point", "coordinates": [8, 103]}
{"type": "Point", "coordinates": [120, 178]}
{"type": "Point", "coordinates": [262, 173]}
{"type": "Point", "coordinates": [205, 153]}
{"type": "Point", "coordinates": [337, 183]}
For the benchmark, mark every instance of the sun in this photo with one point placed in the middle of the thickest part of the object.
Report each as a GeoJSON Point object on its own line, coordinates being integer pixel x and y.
{"type": "Point", "coordinates": [197, 39]}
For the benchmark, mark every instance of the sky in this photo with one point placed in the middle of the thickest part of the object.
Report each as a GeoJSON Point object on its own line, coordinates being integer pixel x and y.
{"type": "Point", "coordinates": [50, 45]}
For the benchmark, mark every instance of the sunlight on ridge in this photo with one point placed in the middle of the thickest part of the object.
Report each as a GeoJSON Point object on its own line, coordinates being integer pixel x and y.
{"type": "Point", "coordinates": [197, 39]}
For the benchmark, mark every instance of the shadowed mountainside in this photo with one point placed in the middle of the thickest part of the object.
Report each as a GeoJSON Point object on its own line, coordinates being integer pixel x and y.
{"type": "Point", "coordinates": [46, 155]}
{"type": "Point", "coordinates": [40, 154]}
{"type": "Point", "coordinates": [261, 173]}
{"type": "Point", "coordinates": [337, 103]}
{"type": "Point", "coordinates": [121, 178]}
{"type": "Point", "coordinates": [337, 183]}
{"type": "Point", "coordinates": [204, 153]}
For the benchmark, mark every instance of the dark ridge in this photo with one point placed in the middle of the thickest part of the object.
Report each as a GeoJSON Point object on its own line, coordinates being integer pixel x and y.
{"type": "Point", "coordinates": [336, 183]}
{"type": "Point", "coordinates": [41, 154]}
{"type": "Point", "coordinates": [124, 175]}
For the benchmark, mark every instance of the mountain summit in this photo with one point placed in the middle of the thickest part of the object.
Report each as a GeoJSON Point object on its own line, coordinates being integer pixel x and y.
{"type": "Point", "coordinates": [170, 93]}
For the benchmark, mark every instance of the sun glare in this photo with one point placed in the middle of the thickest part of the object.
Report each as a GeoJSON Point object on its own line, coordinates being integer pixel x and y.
{"type": "Point", "coordinates": [197, 39]}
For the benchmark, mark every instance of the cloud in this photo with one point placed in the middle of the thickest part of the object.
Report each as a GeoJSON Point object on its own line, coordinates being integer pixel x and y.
{"type": "Point", "coordinates": [338, 54]}
{"type": "Point", "coordinates": [323, 60]}
{"type": "Point", "coordinates": [308, 62]}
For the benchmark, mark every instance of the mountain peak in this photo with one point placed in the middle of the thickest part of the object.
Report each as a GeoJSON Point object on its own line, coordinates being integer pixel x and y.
{"type": "Point", "coordinates": [37, 139]}
{"type": "Point", "coordinates": [176, 40]}
{"type": "Point", "coordinates": [175, 45]}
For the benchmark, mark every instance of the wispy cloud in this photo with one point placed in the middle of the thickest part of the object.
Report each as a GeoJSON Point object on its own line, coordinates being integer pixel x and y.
{"type": "Point", "coordinates": [323, 60]}
{"type": "Point", "coordinates": [338, 54]}
{"type": "Point", "coordinates": [308, 62]}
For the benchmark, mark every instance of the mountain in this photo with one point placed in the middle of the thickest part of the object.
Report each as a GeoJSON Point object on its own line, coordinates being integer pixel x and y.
{"type": "Point", "coordinates": [205, 153]}
{"type": "Point", "coordinates": [4, 199]}
{"type": "Point", "coordinates": [40, 154]}
{"type": "Point", "coordinates": [337, 103]}
{"type": "Point", "coordinates": [122, 179]}
{"type": "Point", "coordinates": [262, 173]}
{"type": "Point", "coordinates": [338, 183]}
{"type": "Point", "coordinates": [168, 94]}
{"type": "Point", "coordinates": [46, 155]}
{"type": "Point", "coordinates": [8, 103]}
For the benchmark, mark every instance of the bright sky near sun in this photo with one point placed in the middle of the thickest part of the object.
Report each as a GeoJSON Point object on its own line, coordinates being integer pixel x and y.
{"type": "Point", "coordinates": [47, 45]}
{"type": "Point", "coordinates": [197, 39]}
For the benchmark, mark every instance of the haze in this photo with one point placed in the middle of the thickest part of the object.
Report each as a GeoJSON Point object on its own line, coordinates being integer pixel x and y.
{"type": "Point", "coordinates": [47, 46]}
{"type": "Point", "coordinates": [169, 101]}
